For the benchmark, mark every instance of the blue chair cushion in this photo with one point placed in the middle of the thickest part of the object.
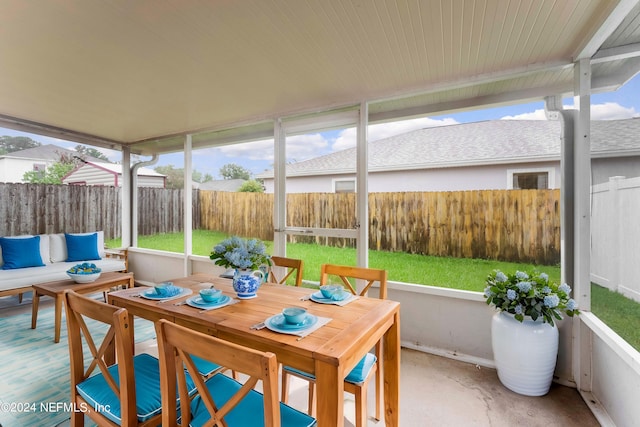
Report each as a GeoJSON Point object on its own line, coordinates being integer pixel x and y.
{"type": "Point", "coordinates": [357, 375]}
{"type": "Point", "coordinates": [360, 372]}
{"type": "Point", "coordinates": [21, 252]}
{"type": "Point", "coordinates": [82, 247]}
{"type": "Point", "coordinates": [205, 367]}
{"type": "Point", "coordinates": [101, 397]}
{"type": "Point", "coordinates": [249, 412]}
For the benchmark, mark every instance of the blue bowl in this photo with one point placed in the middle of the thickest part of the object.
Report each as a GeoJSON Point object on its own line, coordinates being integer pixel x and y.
{"type": "Point", "coordinates": [210, 294]}
{"type": "Point", "coordinates": [163, 288]}
{"type": "Point", "coordinates": [332, 291]}
{"type": "Point", "coordinates": [294, 315]}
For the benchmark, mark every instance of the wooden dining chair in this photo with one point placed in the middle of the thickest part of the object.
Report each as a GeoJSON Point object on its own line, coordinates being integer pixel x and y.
{"type": "Point", "coordinates": [292, 266]}
{"type": "Point", "coordinates": [220, 400]}
{"type": "Point", "coordinates": [123, 394]}
{"type": "Point", "coordinates": [358, 379]}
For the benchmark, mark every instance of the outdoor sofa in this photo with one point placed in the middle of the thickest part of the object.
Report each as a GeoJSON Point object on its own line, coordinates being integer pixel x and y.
{"type": "Point", "coordinates": [32, 259]}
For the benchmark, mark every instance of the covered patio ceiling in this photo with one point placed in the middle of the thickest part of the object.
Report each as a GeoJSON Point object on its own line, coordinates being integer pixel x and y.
{"type": "Point", "coordinates": [145, 73]}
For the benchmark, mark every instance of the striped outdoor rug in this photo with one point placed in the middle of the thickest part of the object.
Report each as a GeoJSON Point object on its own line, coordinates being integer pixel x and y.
{"type": "Point", "coordinates": [34, 371]}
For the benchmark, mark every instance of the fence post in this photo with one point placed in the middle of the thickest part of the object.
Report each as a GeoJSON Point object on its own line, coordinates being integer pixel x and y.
{"type": "Point", "coordinates": [616, 216]}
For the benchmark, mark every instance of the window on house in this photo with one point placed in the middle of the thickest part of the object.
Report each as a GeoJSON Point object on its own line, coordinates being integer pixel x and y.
{"type": "Point", "coordinates": [531, 180]}
{"type": "Point", "coordinates": [40, 168]}
{"type": "Point", "coordinates": [344, 186]}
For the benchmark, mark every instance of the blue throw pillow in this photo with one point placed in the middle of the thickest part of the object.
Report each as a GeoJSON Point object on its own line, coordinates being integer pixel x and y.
{"type": "Point", "coordinates": [21, 252]}
{"type": "Point", "coordinates": [82, 247]}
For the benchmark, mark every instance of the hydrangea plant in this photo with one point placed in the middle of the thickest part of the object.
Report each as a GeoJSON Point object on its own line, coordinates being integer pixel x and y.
{"type": "Point", "coordinates": [239, 253]}
{"type": "Point", "coordinates": [529, 294]}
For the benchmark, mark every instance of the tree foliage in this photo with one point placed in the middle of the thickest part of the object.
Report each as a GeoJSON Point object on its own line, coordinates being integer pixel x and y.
{"type": "Point", "coordinates": [234, 171]}
{"type": "Point", "coordinates": [90, 152]}
{"type": "Point", "coordinates": [9, 144]}
{"type": "Point", "coordinates": [175, 176]}
{"type": "Point", "coordinates": [251, 186]}
{"type": "Point", "coordinates": [53, 174]}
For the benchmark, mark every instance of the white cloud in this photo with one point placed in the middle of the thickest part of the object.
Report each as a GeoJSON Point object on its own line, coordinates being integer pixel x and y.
{"type": "Point", "coordinates": [255, 150]}
{"type": "Point", "coordinates": [612, 111]}
{"type": "Point", "coordinates": [299, 147]}
{"type": "Point", "coordinates": [606, 111]}
{"type": "Point", "coordinates": [535, 115]}
{"type": "Point", "coordinates": [347, 138]}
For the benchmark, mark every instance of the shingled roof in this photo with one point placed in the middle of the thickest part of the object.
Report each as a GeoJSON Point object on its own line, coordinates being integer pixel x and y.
{"type": "Point", "coordinates": [49, 152]}
{"type": "Point", "coordinates": [478, 143]}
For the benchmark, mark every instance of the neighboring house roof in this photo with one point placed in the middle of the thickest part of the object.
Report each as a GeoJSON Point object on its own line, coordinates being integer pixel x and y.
{"type": "Point", "coordinates": [488, 142]}
{"type": "Point", "coordinates": [222, 185]}
{"type": "Point", "coordinates": [47, 152]}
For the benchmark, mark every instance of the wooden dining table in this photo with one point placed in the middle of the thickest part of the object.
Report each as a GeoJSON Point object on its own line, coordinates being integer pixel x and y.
{"type": "Point", "coordinates": [329, 352]}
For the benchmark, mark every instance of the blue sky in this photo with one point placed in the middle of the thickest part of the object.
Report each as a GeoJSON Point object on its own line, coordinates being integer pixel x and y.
{"type": "Point", "coordinates": [258, 156]}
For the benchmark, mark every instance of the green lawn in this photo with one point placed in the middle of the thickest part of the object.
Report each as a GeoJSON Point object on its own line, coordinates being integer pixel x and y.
{"type": "Point", "coordinates": [617, 311]}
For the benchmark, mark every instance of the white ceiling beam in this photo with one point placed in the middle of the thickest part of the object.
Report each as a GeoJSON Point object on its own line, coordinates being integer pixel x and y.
{"type": "Point", "coordinates": [615, 18]}
{"type": "Point", "coordinates": [616, 53]}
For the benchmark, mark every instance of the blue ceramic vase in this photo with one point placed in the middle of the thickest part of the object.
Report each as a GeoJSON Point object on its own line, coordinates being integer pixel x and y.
{"type": "Point", "coordinates": [247, 282]}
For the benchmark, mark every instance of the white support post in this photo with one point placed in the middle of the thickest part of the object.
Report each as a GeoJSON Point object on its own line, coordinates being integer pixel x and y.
{"type": "Point", "coordinates": [188, 204]}
{"type": "Point", "coordinates": [280, 190]}
{"type": "Point", "coordinates": [362, 188]}
{"type": "Point", "coordinates": [126, 197]}
{"type": "Point", "coordinates": [582, 351]}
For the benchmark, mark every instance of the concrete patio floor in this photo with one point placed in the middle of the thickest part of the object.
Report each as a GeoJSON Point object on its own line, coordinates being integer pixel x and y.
{"type": "Point", "coordinates": [437, 391]}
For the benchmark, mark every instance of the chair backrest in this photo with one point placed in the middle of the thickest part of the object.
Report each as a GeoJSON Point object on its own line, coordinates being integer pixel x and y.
{"type": "Point", "coordinates": [292, 266]}
{"type": "Point", "coordinates": [177, 345]}
{"type": "Point", "coordinates": [344, 272]}
{"type": "Point", "coordinates": [118, 342]}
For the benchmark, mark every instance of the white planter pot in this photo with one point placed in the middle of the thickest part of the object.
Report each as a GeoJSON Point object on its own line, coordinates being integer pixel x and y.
{"type": "Point", "coordinates": [525, 353]}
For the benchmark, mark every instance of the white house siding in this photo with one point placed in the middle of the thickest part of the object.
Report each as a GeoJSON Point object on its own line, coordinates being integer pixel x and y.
{"type": "Point", "coordinates": [490, 177]}
{"type": "Point", "coordinates": [604, 168]}
{"type": "Point", "coordinates": [13, 169]}
{"type": "Point", "coordinates": [89, 175]}
{"type": "Point", "coordinates": [97, 175]}
{"type": "Point", "coordinates": [150, 181]}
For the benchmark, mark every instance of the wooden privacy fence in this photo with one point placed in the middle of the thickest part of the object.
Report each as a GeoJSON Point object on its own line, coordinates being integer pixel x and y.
{"type": "Point", "coordinates": [47, 209]}
{"type": "Point", "coordinates": [161, 210]}
{"type": "Point", "coordinates": [510, 225]}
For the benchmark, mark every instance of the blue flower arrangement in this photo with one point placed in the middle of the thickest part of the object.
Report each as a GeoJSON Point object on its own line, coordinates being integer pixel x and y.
{"type": "Point", "coordinates": [529, 294]}
{"type": "Point", "coordinates": [239, 253]}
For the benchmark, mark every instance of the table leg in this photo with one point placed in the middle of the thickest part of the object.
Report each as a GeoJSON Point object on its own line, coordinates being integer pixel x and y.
{"type": "Point", "coordinates": [34, 309]}
{"type": "Point", "coordinates": [58, 317]}
{"type": "Point", "coordinates": [329, 395]}
{"type": "Point", "coordinates": [391, 372]}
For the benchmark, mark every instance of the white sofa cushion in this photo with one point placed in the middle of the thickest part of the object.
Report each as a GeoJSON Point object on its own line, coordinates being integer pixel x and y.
{"type": "Point", "coordinates": [22, 277]}
{"type": "Point", "coordinates": [58, 245]}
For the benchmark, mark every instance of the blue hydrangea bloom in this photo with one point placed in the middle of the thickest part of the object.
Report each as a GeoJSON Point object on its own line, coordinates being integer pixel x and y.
{"type": "Point", "coordinates": [518, 309]}
{"type": "Point", "coordinates": [551, 301]}
{"type": "Point", "coordinates": [487, 292]}
{"type": "Point", "coordinates": [546, 290]}
{"type": "Point", "coordinates": [501, 277]}
{"type": "Point", "coordinates": [572, 304]}
{"type": "Point", "coordinates": [521, 275]}
{"type": "Point", "coordinates": [524, 287]}
{"type": "Point", "coordinates": [511, 294]}
{"type": "Point", "coordinates": [544, 276]}
{"type": "Point", "coordinates": [565, 288]}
